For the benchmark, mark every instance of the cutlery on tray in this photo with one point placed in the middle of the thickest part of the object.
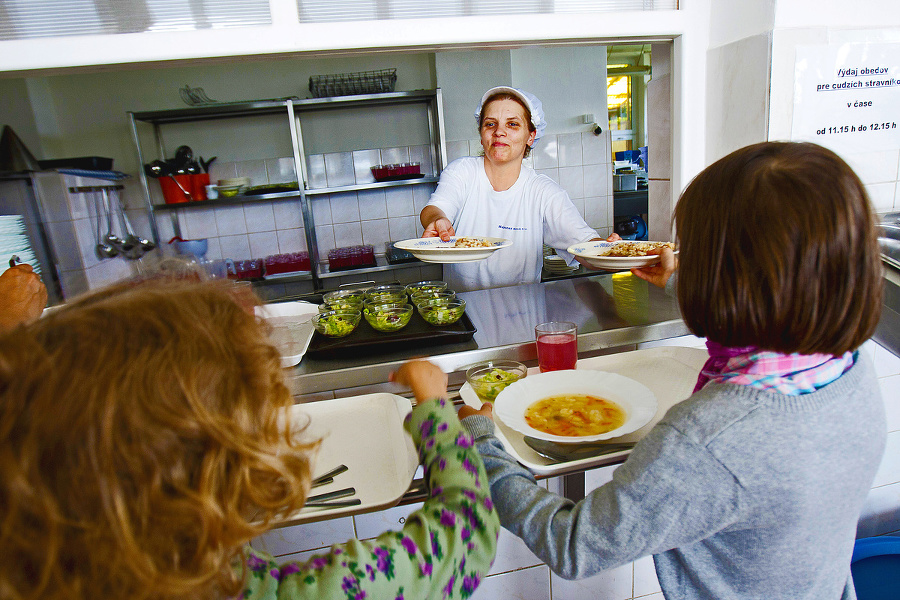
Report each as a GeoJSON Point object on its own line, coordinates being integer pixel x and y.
{"type": "Point", "coordinates": [570, 452]}
{"type": "Point", "coordinates": [331, 499]}
{"type": "Point", "coordinates": [328, 477]}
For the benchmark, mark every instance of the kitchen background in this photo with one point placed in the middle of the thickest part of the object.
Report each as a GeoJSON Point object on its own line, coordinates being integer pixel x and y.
{"type": "Point", "coordinates": [730, 66]}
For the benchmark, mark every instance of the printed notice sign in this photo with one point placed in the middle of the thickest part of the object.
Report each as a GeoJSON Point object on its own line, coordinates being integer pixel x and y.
{"type": "Point", "coordinates": [847, 97]}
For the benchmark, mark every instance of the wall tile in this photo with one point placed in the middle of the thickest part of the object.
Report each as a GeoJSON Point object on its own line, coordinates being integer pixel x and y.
{"type": "Point", "coordinates": [421, 196]}
{"type": "Point", "coordinates": [254, 169]}
{"type": "Point", "coordinates": [881, 512]}
{"type": "Point", "coordinates": [372, 204]}
{"type": "Point", "coordinates": [456, 150]}
{"type": "Point", "coordinates": [551, 173]}
{"type": "Point", "coordinates": [339, 169]}
{"type": "Point", "coordinates": [527, 584]}
{"type": "Point", "coordinates": [321, 209]}
{"type": "Point", "coordinates": [886, 362]}
{"type": "Point", "coordinates": [596, 211]}
{"type": "Point", "coordinates": [259, 216]}
{"type": "Point", "coordinates": [512, 554]}
{"type": "Point", "coordinates": [288, 214]}
{"type": "Point", "coordinates": [374, 524]}
{"type": "Point", "coordinates": [571, 179]}
{"type": "Point", "coordinates": [67, 247]}
{"type": "Point", "coordinates": [73, 283]}
{"type": "Point", "coordinates": [325, 240]}
{"type": "Point", "coordinates": [614, 584]}
{"type": "Point", "coordinates": [52, 191]}
{"type": "Point", "coordinates": [645, 580]}
{"type": "Point", "coordinates": [422, 155]}
{"type": "Point", "coordinates": [281, 170]}
{"type": "Point", "coordinates": [390, 156]}
{"type": "Point", "coordinates": [546, 153]}
{"type": "Point", "coordinates": [345, 208]}
{"type": "Point", "coordinates": [263, 244]}
{"type": "Point", "coordinates": [882, 195]}
{"type": "Point", "coordinates": [214, 249]}
{"type": "Point", "coordinates": [475, 148]}
{"type": "Point", "coordinates": [235, 246]}
{"type": "Point", "coordinates": [347, 234]}
{"type": "Point", "coordinates": [376, 232]}
{"type": "Point", "coordinates": [399, 201]}
{"type": "Point", "coordinates": [596, 179]}
{"type": "Point", "coordinates": [222, 170]}
{"type": "Point", "coordinates": [570, 150]}
{"type": "Point", "coordinates": [199, 223]}
{"type": "Point", "coordinates": [291, 240]}
{"type": "Point", "coordinates": [404, 228]}
{"type": "Point", "coordinates": [889, 470]}
{"type": "Point", "coordinates": [315, 171]}
{"type": "Point", "coordinates": [875, 167]}
{"type": "Point", "coordinates": [890, 392]}
{"type": "Point", "coordinates": [594, 149]}
{"type": "Point", "coordinates": [288, 540]}
{"type": "Point", "coordinates": [363, 160]}
{"type": "Point", "coordinates": [230, 220]}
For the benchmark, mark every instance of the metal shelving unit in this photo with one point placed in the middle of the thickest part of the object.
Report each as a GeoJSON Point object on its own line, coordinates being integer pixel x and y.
{"type": "Point", "coordinates": [293, 110]}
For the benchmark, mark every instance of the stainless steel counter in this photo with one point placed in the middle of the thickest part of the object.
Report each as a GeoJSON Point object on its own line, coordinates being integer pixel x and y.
{"type": "Point", "coordinates": [611, 311]}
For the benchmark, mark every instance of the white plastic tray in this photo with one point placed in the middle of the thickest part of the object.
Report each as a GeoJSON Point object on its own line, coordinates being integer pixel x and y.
{"type": "Point", "coordinates": [292, 328]}
{"type": "Point", "coordinates": [366, 434]}
{"type": "Point", "coordinates": [670, 372]}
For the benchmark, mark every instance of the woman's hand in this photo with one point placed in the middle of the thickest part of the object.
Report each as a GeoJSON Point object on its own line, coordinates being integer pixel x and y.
{"type": "Point", "coordinates": [486, 410]}
{"type": "Point", "coordinates": [425, 379]}
{"type": "Point", "coordinates": [659, 273]}
{"type": "Point", "coordinates": [441, 228]}
{"type": "Point", "coordinates": [22, 295]}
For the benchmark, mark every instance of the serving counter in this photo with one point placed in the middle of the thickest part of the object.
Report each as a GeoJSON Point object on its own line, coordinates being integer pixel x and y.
{"type": "Point", "coordinates": [612, 311]}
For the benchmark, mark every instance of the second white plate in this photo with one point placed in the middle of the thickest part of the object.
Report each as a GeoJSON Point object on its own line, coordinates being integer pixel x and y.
{"type": "Point", "coordinates": [591, 252]}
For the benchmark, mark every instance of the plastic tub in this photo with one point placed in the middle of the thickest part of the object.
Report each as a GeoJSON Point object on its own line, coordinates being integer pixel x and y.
{"type": "Point", "coordinates": [876, 568]}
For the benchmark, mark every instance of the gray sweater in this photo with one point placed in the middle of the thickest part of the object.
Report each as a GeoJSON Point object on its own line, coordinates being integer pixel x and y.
{"type": "Point", "coordinates": [737, 493]}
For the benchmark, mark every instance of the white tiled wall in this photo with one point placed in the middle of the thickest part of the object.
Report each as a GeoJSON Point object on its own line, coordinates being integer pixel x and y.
{"type": "Point", "coordinates": [517, 574]}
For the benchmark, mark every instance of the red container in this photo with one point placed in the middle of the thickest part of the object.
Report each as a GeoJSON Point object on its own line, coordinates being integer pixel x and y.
{"type": "Point", "coordinates": [194, 185]}
{"type": "Point", "coordinates": [287, 263]}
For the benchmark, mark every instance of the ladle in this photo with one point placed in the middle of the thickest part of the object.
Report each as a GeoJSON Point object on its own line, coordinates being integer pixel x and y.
{"type": "Point", "coordinates": [103, 248]}
{"type": "Point", "coordinates": [141, 245]}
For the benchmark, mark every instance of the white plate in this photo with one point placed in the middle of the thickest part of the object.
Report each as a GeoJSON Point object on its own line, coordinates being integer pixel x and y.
{"type": "Point", "coordinates": [635, 398]}
{"type": "Point", "coordinates": [591, 251]}
{"type": "Point", "coordinates": [366, 434]}
{"type": "Point", "coordinates": [292, 328]}
{"type": "Point", "coordinates": [435, 250]}
{"type": "Point", "coordinates": [670, 373]}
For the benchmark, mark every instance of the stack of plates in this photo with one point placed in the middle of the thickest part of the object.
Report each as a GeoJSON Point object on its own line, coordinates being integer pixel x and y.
{"type": "Point", "coordinates": [14, 241]}
{"type": "Point", "coordinates": [557, 266]}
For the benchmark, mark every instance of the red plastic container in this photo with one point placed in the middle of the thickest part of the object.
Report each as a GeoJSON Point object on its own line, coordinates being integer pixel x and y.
{"type": "Point", "coordinates": [287, 263]}
{"type": "Point", "coordinates": [194, 185]}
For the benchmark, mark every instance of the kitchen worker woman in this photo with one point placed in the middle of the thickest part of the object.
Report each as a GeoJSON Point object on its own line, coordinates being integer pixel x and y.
{"type": "Point", "coordinates": [495, 195]}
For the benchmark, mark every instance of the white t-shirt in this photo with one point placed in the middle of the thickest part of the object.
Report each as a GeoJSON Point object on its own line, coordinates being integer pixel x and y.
{"type": "Point", "coordinates": [533, 212]}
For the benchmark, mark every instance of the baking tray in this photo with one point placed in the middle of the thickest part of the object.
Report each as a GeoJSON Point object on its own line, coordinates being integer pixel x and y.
{"type": "Point", "coordinates": [669, 371]}
{"type": "Point", "coordinates": [366, 434]}
{"type": "Point", "coordinates": [365, 340]}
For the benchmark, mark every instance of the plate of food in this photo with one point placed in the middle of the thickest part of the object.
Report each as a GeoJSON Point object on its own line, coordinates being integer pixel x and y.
{"type": "Point", "coordinates": [575, 406]}
{"type": "Point", "coordinates": [623, 254]}
{"type": "Point", "coordinates": [457, 249]}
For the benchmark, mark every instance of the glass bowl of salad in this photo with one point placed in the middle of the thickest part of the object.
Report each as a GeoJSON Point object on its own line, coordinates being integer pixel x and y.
{"type": "Point", "coordinates": [345, 294]}
{"type": "Point", "coordinates": [422, 297]}
{"type": "Point", "coordinates": [489, 378]}
{"type": "Point", "coordinates": [425, 286]}
{"type": "Point", "coordinates": [442, 312]}
{"type": "Point", "coordinates": [336, 323]}
{"type": "Point", "coordinates": [390, 289]}
{"type": "Point", "coordinates": [388, 317]}
{"type": "Point", "coordinates": [342, 303]}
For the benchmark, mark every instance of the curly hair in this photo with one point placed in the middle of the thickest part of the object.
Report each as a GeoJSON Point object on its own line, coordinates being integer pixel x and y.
{"type": "Point", "coordinates": [144, 440]}
{"type": "Point", "coordinates": [779, 250]}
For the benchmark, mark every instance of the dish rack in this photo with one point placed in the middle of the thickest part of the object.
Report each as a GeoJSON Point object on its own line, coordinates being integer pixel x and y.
{"type": "Point", "coordinates": [348, 84]}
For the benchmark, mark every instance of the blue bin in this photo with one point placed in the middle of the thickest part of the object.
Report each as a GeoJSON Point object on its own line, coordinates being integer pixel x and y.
{"type": "Point", "coordinates": [875, 566]}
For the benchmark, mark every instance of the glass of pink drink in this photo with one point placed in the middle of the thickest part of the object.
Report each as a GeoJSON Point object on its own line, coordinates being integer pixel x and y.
{"type": "Point", "coordinates": [557, 345]}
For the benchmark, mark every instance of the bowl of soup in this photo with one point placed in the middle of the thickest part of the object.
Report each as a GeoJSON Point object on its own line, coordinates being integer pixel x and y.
{"type": "Point", "coordinates": [575, 406]}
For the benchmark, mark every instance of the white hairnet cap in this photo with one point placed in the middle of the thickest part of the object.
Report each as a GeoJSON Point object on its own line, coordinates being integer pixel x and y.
{"type": "Point", "coordinates": [530, 100]}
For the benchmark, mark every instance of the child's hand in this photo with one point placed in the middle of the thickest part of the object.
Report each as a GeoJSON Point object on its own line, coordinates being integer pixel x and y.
{"type": "Point", "coordinates": [486, 410]}
{"type": "Point", "coordinates": [659, 273]}
{"type": "Point", "coordinates": [425, 379]}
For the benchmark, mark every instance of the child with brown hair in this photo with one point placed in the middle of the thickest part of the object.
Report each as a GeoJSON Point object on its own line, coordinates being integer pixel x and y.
{"type": "Point", "coordinates": [144, 442]}
{"type": "Point", "coordinates": [752, 487]}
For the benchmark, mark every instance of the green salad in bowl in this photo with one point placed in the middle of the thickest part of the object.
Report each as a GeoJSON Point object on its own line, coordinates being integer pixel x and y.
{"type": "Point", "coordinates": [336, 323]}
{"type": "Point", "coordinates": [490, 378]}
{"type": "Point", "coordinates": [422, 297]}
{"type": "Point", "coordinates": [346, 303]}
{"type": "Point", "coordinates": [442, 312]}
{"type": "Point", "coordinates": [425, 286]}
{"type": "Point", "coordinates": [388, 317]}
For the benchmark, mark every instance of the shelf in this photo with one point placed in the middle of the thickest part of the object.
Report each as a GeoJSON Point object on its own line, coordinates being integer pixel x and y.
{"type": "Point", "coordinates": [381, 264]}
{"type": "Point", "coordinates": [283, 278]}
{"type": "Point", "coordinates": [370, 186]}
{"type": "Point", "coordinates": [213, 111]}
{"type": "Point", "coordinates": [227, 201]}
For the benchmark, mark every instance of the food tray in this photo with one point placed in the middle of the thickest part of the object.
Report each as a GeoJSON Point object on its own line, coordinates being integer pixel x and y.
{"type": "Point", "coordinates": [669, 371]}
{"type": "Point", "coordinates": [366, 434]}
{"type": "Point", "coordinates": [366, 340]}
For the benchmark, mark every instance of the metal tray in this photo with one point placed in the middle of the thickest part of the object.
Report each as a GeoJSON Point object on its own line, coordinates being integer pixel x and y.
{"type": "Point", "coordinates": [365, 340]}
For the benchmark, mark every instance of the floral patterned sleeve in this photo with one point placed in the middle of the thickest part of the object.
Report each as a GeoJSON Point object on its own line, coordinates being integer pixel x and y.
{"type": "Point", "coordinates": [443, 551]}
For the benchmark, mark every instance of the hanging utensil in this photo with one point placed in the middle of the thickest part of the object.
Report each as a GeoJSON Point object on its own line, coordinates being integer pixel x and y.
{"type": "Point", "coordinates": [144, 244]}
{"type": "Point", "coordinates": [103, 248]}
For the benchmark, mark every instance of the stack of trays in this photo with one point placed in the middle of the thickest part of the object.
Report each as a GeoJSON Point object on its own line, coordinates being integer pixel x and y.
{"type": "Point", "coordinates": [555, 265]}
{"type": "Point", "coordinates": [14, 241]}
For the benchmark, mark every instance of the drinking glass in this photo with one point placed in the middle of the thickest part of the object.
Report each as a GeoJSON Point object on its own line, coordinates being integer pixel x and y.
{"type": "Point", "coordinates": [557, 345]}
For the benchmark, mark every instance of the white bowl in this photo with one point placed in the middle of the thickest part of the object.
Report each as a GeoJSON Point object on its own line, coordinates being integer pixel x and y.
{"type": "Point", "coordinates": [638, 402]}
